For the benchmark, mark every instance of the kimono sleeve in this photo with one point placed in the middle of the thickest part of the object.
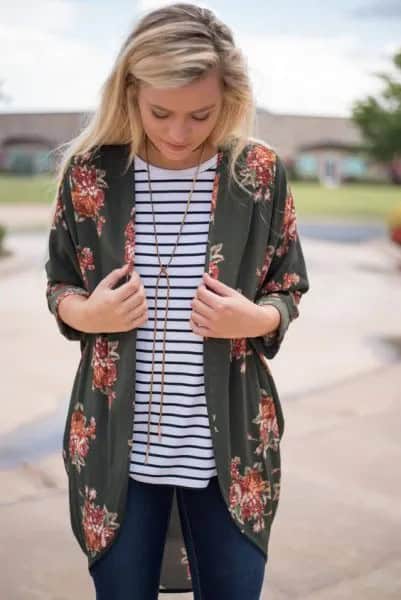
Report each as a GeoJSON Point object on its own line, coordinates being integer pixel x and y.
{"type": "Point", "coordinates": [286, 278]}
{"type": "Point", "coordinates": [62, 266]}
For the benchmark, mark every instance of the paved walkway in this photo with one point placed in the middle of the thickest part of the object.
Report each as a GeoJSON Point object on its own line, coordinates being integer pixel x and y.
{"type": "Point", "coordinates": [336, 533]}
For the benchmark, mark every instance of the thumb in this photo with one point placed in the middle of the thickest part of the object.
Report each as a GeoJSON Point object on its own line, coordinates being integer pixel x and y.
{"type": "Point", "coordinates": [114, 276]}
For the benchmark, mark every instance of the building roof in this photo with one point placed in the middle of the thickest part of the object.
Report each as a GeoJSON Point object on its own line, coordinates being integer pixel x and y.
{"type": "Point", "coordinates": [52, 127]}
{"type": "Point", "coordinates": [286, 133]}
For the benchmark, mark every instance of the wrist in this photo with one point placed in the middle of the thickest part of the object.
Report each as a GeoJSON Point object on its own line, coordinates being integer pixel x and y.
{"type": "Point", "coordinates": [268, 319]}
{"type": "Point", "coordinates": [73, 310]}
{"type": "Point", "coordinates": [84, 316]}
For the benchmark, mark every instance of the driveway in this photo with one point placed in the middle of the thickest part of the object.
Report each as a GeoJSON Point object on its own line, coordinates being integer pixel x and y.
{"type": "Point", "coordinates": [338, 373]}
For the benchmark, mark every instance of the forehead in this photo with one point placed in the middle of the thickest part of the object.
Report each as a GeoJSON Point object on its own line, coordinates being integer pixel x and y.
{"type": "Point", "coordinates": [189, 97]}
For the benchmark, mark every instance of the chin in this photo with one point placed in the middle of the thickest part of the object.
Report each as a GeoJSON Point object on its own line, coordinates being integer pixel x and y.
{"type": "Point", "coordinates": [176, 154]}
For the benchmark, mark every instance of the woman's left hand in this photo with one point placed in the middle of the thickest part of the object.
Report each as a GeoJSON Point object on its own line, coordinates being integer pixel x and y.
{"type": "Point", "coordinates": [222, 312]}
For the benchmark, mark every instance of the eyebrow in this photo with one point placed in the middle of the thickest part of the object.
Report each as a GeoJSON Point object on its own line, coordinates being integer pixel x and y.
{"type": "Point", "coordinates": [194, 111]}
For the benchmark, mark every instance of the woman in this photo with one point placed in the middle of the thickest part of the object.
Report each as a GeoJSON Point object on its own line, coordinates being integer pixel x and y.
{"type": "Point", "coordinates": [175, 261]}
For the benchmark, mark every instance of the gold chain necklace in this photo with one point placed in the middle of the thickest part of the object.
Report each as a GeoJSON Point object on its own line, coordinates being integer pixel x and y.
{"type": "Point", "coordinates": [163, 271]}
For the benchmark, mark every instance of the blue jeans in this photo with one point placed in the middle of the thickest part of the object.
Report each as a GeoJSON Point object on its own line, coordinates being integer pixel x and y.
{"type": "Point", "coordinates": [223, 562]}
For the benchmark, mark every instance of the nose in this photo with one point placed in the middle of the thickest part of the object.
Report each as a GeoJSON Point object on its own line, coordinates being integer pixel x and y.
{"type": "Point", "coordinates": [179, 135]}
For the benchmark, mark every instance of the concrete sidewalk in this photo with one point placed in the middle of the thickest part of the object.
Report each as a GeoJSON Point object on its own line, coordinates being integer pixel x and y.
{"type": "Point", "coordinates": [336, 532]}
{"type": "Point", "coordinates": [337, 529]}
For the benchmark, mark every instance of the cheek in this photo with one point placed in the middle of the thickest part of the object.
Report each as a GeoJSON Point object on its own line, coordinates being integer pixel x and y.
{"type": "Point", "coordinates": [150, 125]}
{"type": "Point", "coordinates": [211, 124]}
{"type": "Point", "coordinates": [200, 131]}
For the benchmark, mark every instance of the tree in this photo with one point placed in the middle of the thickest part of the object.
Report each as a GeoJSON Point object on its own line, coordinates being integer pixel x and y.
{"type": "Point", "coordinates": [379, 120]}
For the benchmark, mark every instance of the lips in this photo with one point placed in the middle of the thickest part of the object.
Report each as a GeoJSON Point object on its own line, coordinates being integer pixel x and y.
{"type": "Point", "coordinates": [175, 147]}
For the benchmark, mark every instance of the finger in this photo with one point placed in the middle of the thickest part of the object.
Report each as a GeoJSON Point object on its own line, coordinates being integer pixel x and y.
{"type": "Point", "coordinates": [131, 303]}
{"type": "Point", "coordinates": [127, 289]}
{"type": "Point", "coordinates": [197, 328]}
{"type": "Point", "coordinates": [207, 296]}
{"type": "Point", "coordinates": [201, 309]}
{"type": "Point", "coordinates": [135, 315]}
{"type": "Point", "coordinates": [217, 286]}
{"type": "Point", "coordinates": [114, 276]}
{"type": "Point", "coordinates": [197, 318]}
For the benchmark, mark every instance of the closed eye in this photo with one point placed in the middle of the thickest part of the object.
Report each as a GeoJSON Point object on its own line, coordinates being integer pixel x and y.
{"type": "Point", "coordinates": [166, 116]}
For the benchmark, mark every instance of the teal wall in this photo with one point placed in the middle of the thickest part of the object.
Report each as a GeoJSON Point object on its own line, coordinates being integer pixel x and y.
{"type": "Point", "coordinates": [353, 166]}
{"type": "Point", "coordinates": [28, 161]}
{"type": "Point", "coordinates": [307, 165]}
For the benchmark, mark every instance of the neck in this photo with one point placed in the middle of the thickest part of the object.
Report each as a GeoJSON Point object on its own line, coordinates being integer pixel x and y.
{"type": "Point", "coordinates": [157, 159]}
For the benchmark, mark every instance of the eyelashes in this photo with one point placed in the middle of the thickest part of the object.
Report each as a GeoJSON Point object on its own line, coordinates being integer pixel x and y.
{"type": "Point", "coordinates": [166, 116]}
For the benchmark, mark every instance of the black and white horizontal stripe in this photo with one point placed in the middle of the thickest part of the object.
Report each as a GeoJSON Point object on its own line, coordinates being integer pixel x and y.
{"type": "Point", "coordinates": [184, 455]}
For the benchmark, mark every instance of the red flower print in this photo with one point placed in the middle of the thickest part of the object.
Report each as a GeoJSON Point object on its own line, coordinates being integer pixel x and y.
{"type": "Point", "coordinates": [289, 279]}
{"type": "Point", "coordinates": [104, 366]}
{"type": "Point", "coordinates": [248, 495]}
{"type": "Point", "coordinates": [289, 232]}
{"type": "Point", "coordinates": [239, 350]}
{"type": "Point", "coordinates": [86, 262]}
{"type": "Point", "coordinates": [52, 288]}
{"type": "Point", "coordinates": [297, 295]}
{"type": "Point", "coordinates": [268, 425]}
{"type": "Point", "coordinates": [80, 433]}
{"type": "Point", "coordinates": [87, 192]}
{"type": "Point", "coordinates": [99, 525]}
{"type": "Point", "coordinates": [261, 273]}
{"type": "Point", "coordinates": [259, 171]}
{"type": "Point", "coordinates": [129, 244]}
{"type": "Point", "coordinates": [238, 347]}
{"type": "Point", "coordinates": [214, 270]}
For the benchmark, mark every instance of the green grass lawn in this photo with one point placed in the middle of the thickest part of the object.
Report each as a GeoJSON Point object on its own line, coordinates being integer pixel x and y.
{"type": "Point", "coordinates": [26, 189]}
{"type": "Point", "coordinates": [311, 199]}
{"type": "Point", "coordinates": [350, 200]}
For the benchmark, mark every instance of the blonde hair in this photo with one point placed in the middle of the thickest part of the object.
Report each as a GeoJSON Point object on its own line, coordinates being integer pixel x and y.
{"type": "Point", "coordinates": [170, 46]}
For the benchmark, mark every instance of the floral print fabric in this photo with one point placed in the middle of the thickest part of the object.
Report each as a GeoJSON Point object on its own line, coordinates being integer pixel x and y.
{"type": "Point", "coordinates": [254, 247]}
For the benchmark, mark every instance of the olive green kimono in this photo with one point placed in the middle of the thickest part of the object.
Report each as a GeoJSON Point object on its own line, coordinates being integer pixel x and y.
{"type": "Point", "coordinates": [253, 247]}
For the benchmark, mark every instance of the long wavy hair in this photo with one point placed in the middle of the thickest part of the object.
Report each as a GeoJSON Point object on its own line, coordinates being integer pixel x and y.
{"type": "Point", "coordinates": [171, 46]}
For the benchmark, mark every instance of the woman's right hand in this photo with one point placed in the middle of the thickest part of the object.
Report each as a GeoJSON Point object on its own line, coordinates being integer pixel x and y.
{"type": "Point", "coordinates": [124, 308]}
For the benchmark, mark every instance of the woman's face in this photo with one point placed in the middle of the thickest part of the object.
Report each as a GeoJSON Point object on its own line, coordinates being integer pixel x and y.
{"type": "Point", "coordinates": [183, 116]}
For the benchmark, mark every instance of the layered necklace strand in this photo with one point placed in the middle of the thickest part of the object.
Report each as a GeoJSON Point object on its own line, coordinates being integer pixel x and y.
{"type": "Point", "coordinates": [163, 271]}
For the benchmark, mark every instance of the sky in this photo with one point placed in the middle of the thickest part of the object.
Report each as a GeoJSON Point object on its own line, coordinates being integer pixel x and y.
{"type": "Point", "coordinates": [308, 57]}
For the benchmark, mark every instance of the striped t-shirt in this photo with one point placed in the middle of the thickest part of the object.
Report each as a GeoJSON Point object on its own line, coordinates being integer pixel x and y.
{"type": "Point", "coordinates": [184, 455]}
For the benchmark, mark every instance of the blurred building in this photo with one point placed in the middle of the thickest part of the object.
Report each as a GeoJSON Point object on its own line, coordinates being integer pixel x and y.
{"type": "Point", "coordinates": [326, 149]}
